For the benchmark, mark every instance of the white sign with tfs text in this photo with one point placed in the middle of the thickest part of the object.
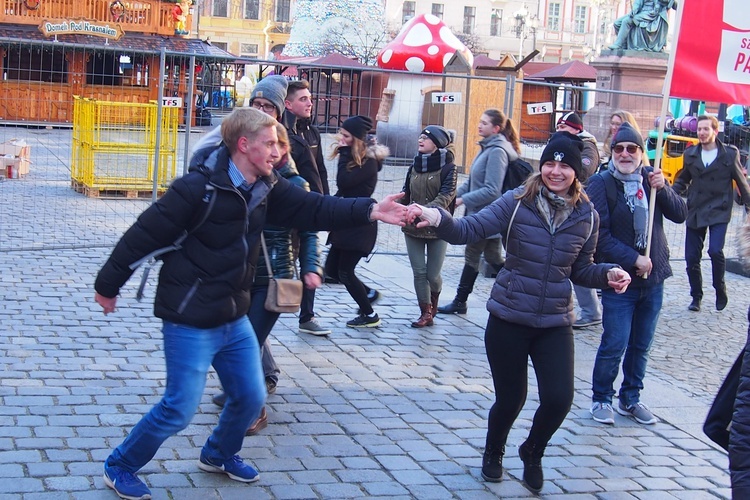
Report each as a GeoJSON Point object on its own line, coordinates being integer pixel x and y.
{"type": "Point", "coordinates": [171, 102]}
{"type": "Point", "coordinates": [446, 98]}
{"type": "Point", "coordinates": [539, 108]}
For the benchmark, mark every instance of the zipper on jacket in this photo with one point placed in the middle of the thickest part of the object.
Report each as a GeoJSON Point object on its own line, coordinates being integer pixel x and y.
{"type": "Point", "coordinates": [189, 296]}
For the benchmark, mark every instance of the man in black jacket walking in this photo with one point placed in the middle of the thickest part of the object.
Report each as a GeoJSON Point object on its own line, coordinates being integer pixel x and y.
{"type": "Point", "coordinates": [307, 154]}
{"type": "Point", "coordinates": [708, 170]}
{"type": "Point", "coordinates": [203, 294]}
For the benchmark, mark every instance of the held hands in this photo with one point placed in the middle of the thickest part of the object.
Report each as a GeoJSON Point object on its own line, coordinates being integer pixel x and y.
{"type": "Point", "coordinates": [389, 210]}
{"type": "Point", "coordinates": [618, 279]}
{"type": "Point", "coordinates": [423, 216]}
{"type": "Point", "coordinates": [656, 179]}
{"type": "Point", "coordinates": [107, 304]}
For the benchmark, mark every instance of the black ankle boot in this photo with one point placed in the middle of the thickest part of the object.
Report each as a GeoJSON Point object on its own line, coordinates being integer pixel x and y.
{"type": "Point", "coordinates": [721, 298]}
{"type": "Point", "coordinates": [531, 456]}
{"type": "Point", "coordinates": [455, 307]}
{"type": "Point", "coordinates": [492, 463]}
{"type": "Point", "coordinates": [695, 305]}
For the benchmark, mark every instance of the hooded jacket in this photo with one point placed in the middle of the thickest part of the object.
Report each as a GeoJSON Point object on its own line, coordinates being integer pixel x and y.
{"type": "Point", "coordinates": [534, 287]}
{"type": "Point", "coordinates": [206, 283]}
{"type": "Point", "coordinates": [431, 189]}
{"type": "Point", "coordinates": [485, 182]}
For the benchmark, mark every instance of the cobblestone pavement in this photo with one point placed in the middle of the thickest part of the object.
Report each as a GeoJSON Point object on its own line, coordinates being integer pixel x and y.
{"type": "Point", "coordinates": [388, 412]}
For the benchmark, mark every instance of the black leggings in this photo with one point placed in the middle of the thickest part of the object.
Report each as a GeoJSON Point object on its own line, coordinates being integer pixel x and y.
{"type": "Point", "coordinates": [509, 346]}
{"type": "Point", "coordinates": [340, 265]}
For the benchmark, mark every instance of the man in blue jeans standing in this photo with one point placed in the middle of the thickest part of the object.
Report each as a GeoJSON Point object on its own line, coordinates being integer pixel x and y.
{"type": "Point", "coordinates": [218, 210]}
{"type": "Point", "coordinates": [621, 196]}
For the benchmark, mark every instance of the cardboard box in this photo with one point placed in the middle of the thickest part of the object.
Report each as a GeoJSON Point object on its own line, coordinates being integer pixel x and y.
{"type": "Point", "coordinates": [15, 159]}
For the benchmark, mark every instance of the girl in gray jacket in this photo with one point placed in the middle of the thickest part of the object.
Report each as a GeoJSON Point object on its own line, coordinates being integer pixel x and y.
{"type": "Point", "coordinates": [550, 230]}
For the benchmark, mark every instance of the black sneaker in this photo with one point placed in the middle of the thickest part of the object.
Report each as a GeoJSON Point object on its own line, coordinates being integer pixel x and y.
{"type": "Point", "coordinates": [364, 321]}
{"type": "Point", "coordinates": [373, 295]}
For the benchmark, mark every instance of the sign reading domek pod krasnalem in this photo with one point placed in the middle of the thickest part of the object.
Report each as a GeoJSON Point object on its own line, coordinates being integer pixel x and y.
{"type": "Point", "coordinates": [81, 27]}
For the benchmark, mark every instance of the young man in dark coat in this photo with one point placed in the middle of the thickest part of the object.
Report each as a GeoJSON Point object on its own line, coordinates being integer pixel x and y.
{"type": "Point", "coordinates": [203, 294]}
{"type": "Point", "coordinates": [708, 170]}
{"type": "Point", "coordinates": [307, 154]}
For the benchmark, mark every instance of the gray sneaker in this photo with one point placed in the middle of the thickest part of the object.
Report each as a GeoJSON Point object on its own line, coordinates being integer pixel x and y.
{"type": "Point", "coordinates": [639, 412]}
{"type": "Point", "coordinates": [603, 413]}
{"type": "Point", "coordinates": [586, 323]}
{"type": "Point", "coordinates": [313, 328]}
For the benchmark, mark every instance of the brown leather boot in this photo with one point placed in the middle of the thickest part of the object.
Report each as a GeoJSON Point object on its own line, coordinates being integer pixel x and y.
{"type": "Point", "coordinates": [434, 296]}
{"type": "Point", "coordinates": [425, 319]}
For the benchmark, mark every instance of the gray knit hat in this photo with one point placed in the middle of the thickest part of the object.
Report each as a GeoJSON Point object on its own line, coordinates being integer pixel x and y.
{"type": "Point", "coordinates": [272, 88]}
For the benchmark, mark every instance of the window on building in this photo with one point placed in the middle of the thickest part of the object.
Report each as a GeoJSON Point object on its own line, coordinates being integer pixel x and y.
{"type": "Point", "coordinates": [220, 8]}
{"type": "Point", "coordinates": [437, 10]}
{"type": "Point", "coordinates": [221, 45]}
{"type": "Point", "coordinates": [35, 65]}
{"type": "Point", "coordinates": [252, 9]}
{"type": "Point", "coordinates": [409, 9]}
{"type": "Point", "coordinates": [470, 14]}
{"type": "Point", "coordinates": [282, 11]}
{"type": "Point", "coordinates": [553, 17]}
{"type": "Point", "coordinates": [249, 49]}
{"type": "Point", "coordinates": [579, 19]}
{"type": "Point", "coordinates": [496, 22]}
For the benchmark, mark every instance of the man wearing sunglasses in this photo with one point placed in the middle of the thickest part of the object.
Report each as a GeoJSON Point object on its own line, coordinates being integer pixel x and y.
{"type": "Point", "coordinates": [708, 170]}
{"type": "Point", "coordinates": [621, 196]}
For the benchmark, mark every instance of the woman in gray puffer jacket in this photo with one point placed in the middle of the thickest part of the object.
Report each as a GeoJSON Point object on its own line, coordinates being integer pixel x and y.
{"type": "Point", "coordinates": [550, 230]}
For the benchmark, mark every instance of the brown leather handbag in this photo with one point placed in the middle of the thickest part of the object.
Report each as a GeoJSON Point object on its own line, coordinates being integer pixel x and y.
{"type": "Point", "coordinates": [284, 294]}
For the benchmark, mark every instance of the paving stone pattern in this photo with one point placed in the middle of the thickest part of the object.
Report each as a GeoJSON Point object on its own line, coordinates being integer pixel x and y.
{"type": "Point", "coordinates": [388, 412]}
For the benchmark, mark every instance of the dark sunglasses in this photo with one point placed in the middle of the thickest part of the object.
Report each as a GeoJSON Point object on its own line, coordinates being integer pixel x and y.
{"type": "Point", "coordinates": [632, 148]}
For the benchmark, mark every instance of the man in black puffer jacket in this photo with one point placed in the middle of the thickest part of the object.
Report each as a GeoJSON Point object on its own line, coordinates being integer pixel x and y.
{"type": "Point", "coordinates": [203, 294]}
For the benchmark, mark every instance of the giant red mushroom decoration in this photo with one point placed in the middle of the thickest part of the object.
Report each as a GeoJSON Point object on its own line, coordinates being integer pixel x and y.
{"type": "Point", "coordinates": [424, 45]}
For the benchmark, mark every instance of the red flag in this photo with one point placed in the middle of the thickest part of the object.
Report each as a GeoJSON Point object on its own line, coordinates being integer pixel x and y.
{"type": "Point", "coordinates": [712, 54]}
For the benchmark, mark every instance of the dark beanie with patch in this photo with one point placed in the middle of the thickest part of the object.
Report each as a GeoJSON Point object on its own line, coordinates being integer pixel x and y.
{"type": "Point", "coordinates": [358, 126]}
{"type": "Point", "coordinates": [438, 135]}
{"type": "Point", "coordinates": [571, 119]}
{"type": "Point", "coordinates": [272, 88]}
{"type": "Point", "coordinates": [566, 148]}
{"type": "Point", "coordinates": [626, 133]}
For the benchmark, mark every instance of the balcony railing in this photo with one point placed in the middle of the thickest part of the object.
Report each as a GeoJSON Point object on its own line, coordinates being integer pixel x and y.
{"type": "Point", "coordinates": [140, 16]}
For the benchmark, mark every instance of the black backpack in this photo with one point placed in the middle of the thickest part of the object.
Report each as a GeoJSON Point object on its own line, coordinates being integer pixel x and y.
{"type": "Point", "coordinates": [516, 174]}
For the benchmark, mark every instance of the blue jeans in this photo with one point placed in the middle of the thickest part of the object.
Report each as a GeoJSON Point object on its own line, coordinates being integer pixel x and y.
{"type": "Point", "coordinates": [629, 322]}
{"type": "Point", "coordinates": [189, 352]}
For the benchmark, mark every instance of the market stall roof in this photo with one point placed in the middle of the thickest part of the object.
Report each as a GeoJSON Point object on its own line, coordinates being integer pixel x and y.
{"type": "Point", "coordinates": [483, 60]}
{"type": "Point", "coordinates": [149, 44]}
{"type": "Point", "coordinates": [570, 71]}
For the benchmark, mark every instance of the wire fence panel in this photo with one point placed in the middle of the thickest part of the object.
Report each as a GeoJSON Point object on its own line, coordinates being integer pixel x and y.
{"type": "Point", "coordinates": [38, 114]}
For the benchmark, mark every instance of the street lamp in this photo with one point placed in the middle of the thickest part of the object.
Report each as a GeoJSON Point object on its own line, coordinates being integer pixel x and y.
{"type": "Point", "coordinates": [525, 24]}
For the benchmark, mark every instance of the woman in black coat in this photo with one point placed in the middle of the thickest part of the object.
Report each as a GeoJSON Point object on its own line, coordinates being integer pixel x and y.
{"type": "Point", "coordinates": [358, 167]}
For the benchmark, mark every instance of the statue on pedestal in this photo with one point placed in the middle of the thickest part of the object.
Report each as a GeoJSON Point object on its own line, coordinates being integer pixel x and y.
{"type": "Point", "coordinates": [645, 28]}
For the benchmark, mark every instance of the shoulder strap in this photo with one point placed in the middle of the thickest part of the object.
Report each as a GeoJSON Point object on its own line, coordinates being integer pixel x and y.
{"type": "Point", "coordinates": [610, 187]}
{"type": "Point", "coordinates": [269, 268]}
{"type": "Point", "coordinates": [176, 245]}
{"type": "Point", "coordinates": [510, 224]}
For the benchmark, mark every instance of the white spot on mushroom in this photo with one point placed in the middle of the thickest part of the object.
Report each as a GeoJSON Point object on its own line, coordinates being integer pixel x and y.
{"type": "Point", "coordinates": [433, 49]}
{"type": "Point", "coordinates": [447, 57]}
{"type": "Point", "coordinates": [448, 37]}
{"type": "Point", "coordinates": [418, 36]}
{"type": "Point", "coordinates": [414, 64]}
{"type": "Point", "coordinates": [387, 54]}
{"type": "Point", "coordinates": [431, 19]}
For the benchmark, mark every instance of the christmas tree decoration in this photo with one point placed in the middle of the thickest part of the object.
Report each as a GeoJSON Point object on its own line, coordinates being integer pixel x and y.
{"type": "Point", "coordinates": [353, 28]}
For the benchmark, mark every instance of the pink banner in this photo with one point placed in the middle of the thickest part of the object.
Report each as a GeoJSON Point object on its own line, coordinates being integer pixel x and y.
{"type": "Point", "coordinates": [712, 58]}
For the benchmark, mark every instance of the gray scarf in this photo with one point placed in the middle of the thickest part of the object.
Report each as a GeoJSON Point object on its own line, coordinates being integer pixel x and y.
{"type": "Point", "coordinates": [635, 197]}
{"type": "Point", "coordinates": [554, 208]}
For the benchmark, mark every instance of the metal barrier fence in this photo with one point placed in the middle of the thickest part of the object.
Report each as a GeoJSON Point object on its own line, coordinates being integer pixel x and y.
{"type": "Point", "coordinates": [115, 144]}
{"type": "Point", "coordinates": [41, 211]}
